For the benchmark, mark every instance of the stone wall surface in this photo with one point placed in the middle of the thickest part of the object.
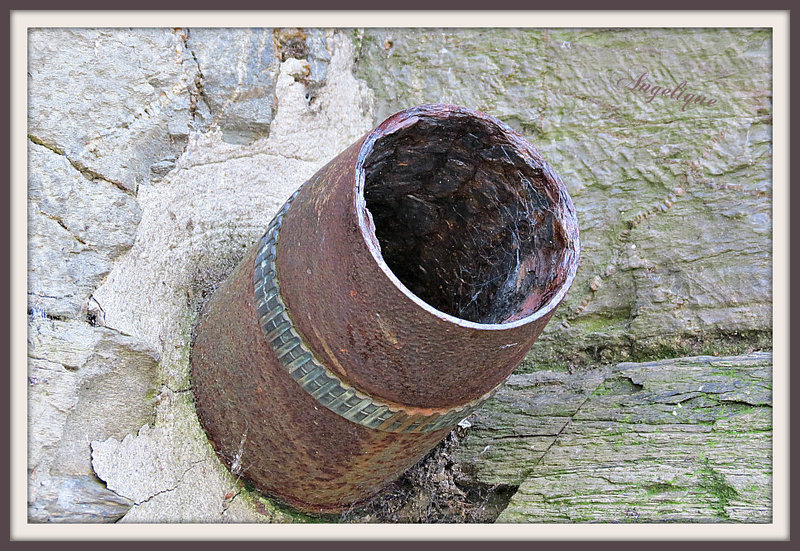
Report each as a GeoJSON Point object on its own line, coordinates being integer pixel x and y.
{"type": "Point", "coordinates": [157, 156]}
{"type": "Point", "coordinates": [674, 205]}
{"type": "Point", "coordinates": [687, 439]}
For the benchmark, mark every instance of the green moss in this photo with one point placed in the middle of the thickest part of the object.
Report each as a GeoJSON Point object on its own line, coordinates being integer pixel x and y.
{"type": "Point", "coordinates": [580, 348]}
{"type": "Point", "coordinates": [752, 489]}
{"type": "Point", "coordinates": [719, 343]}
{"type": "Point", "coordinates": [713, 483]}
{"type": "Point", "coordinates": [357, 36]}
{"type": "Point", "coordinates": [531, 365]}
{"type": "Point", "coordinates": [292, 515]}
{"type": "Point", "coordinates": [733, 373]}
{"type": "Point", "coordinates": [612, 321]}
{"type": "Point", "coordinates": [273, 509]}
{"type": "Point", "coordinates": [726, 435]}
{"type": "Point", "coordinates": [602, 390]}
{"type": "Point", "coordinates": [660, 488]}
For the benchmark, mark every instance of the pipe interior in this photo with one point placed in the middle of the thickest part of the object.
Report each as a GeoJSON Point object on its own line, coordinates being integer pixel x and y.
{"type": "Point", "coordinates": [464, 221]}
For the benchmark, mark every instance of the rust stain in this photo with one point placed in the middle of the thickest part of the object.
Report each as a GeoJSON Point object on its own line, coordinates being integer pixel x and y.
{"type": "Point", "coordinates": [437, 198]}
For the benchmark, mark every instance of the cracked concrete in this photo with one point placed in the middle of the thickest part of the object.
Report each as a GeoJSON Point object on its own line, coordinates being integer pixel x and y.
{"type": "Point", "coordinates": [112, 460]}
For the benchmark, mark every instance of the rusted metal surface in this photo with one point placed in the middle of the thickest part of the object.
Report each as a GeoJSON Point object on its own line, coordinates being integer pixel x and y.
{"type": "Point", "coordinates": [324, 385]}
{"type": "Point", "coordinates": [401, 285]}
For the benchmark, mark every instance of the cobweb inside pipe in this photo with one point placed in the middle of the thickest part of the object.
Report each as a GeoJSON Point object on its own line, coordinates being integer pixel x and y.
{"type": "Point", "coordinates": [464, 220]}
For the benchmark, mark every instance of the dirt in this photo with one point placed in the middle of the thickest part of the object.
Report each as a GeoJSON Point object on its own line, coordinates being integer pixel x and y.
{"type": "Point", "coordinates": [435, 490]}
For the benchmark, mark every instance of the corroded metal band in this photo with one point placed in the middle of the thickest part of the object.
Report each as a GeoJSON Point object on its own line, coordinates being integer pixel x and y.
{"type": "Point", "coordinates": [321, 383]}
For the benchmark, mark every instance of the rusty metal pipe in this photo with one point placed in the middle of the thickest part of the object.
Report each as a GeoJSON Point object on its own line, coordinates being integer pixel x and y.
{"type": "Point", "coordinates": [390, 296]}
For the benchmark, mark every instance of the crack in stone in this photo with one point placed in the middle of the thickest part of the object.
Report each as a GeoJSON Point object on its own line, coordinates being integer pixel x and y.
{"type": "Point", "coordinates": [227, 501]}
{"type": "Point", "coordinates": [38, 312]}
{"type": "Point", "coordinates": [739, 401]}
{"type": "Point", "coordinates": [252, 156]}
{"type": "Point", "coordinates": [116, 493]}
{"type": "Point", "coordinates": [569, 421]}
{"type": "Point", "coordinates": [51, 147]}
{"type": "Point", "coordinates": [92, 175]}
{"type": "Point", "coordinates": [90, 310]}
{"type": "Point", "coordinates": [68, 367]}
{"type": "Point", "coordinates": [85, 171]}
{"type": "Point", "coordinates": [61, 223]}
{"type": "Point", "coordinates": [199, 80]}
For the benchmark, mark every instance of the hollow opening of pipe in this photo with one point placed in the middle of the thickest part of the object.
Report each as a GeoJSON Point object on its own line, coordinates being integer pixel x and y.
{"type": "Point", "coordinates": [466, 220]}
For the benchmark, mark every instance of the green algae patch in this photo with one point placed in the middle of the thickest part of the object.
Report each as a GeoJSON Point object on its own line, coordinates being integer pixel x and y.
{"type": "Point", "coordinates": [713, 483]}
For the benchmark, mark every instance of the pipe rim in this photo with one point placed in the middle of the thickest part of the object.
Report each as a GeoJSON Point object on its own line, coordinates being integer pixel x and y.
{"type": "Point", "coordinates": [408, 117]}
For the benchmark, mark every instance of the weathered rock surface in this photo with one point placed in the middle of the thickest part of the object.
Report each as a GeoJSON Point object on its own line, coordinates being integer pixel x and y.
{"type": "Point", "coordinates": [511, 432]}
{"type": "Point", "coordinates": [239, 71]}
{"type": "Point", "coordinates": [674, 205]}
{"type": "Point", "coordinates": [84, 383]}
{"type": "Point", "coordinates": [687, 439]}
{"type": "Point", "coordinates": [115, 101]}
{"type": "Point", "coordinates": [77, 227]}
{"type": "Point", "coordinates": [110, 113]}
